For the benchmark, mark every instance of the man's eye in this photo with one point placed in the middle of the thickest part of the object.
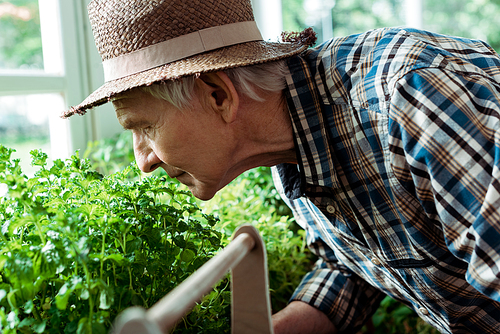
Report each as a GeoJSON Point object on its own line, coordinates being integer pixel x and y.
{"type": "Point", "coordinates": [148, 129]}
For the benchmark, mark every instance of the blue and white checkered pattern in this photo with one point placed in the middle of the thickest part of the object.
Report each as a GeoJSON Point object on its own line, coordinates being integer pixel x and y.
{"type": "Point", "coordinates": [398, 141]}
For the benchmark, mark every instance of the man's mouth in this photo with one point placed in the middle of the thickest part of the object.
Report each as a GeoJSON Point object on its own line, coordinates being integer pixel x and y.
{"type": "Point", "coordinates": [183, 178]}
{"type": "Point", "coordinates": [174, 173]}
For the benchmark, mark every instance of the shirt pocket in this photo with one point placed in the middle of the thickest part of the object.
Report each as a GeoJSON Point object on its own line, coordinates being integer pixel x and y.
{"type": "Point", "coordinates": [386, 235]}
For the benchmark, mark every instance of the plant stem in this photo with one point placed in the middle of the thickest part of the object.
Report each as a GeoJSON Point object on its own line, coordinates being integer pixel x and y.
{"type": "Point", "coordinates": [36, 314]}
{"type": "Point", "coordinates": [103, 248]}
{"type": "Point", "coordinates": [91, 301]}
{"type": "Point", "coordinates": [40, 232]}
{"type": "Point", "coordinates": [131, 287]}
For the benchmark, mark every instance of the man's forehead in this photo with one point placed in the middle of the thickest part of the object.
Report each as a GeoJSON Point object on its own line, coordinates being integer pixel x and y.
{"type": "Point", "coordinates": [130, 120]}
{"type": "Point", "coordinates": [122, 104]}
{"type": "Point", "coordinates": [126, 101]}
{"type": "Point", "coordinates": [129, 94]}
{"type": "Point", "coordinates": [130, 108]}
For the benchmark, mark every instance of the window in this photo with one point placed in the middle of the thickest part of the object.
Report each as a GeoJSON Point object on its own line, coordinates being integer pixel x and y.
{"type": "Point", "coordinates": [30, 64]}
{"type": "Point", "coordinates": [29, 122]}
{"type": "Point", "coordinates": [48, 62]}
{"type": "Point", "coordinates": [334, 18]}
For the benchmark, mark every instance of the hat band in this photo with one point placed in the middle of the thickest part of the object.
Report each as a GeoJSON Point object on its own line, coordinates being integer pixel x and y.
{"type": "Point", "coordinates": [179, 48]}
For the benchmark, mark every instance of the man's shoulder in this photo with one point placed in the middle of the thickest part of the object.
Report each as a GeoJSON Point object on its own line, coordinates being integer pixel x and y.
{"type": "Point", "coordinates": [362, 64]}
{"type": "Point", "coordinates": [377, 59]}
{"type": "Point", "coordinates": [398, 47]}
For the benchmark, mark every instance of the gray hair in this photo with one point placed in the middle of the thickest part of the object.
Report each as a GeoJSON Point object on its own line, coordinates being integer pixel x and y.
{"type": "Point", "coordinates": [269, 77]}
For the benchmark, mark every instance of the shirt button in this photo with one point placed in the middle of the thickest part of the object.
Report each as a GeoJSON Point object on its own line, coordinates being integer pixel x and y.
{"type": "Point", "coordinates": [423, 311]}
{"type": "Point", "coordinates": [330, 209]}
{"type": "Point", "coordinates": [375, 261]}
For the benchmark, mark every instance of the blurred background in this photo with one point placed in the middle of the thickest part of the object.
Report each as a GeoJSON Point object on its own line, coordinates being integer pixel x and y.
{"type": "Point", "coordinates": [48, 60]}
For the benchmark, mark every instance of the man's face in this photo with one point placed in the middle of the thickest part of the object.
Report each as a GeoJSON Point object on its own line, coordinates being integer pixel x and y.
{"type": "Point", "coordinates": [192, 145]}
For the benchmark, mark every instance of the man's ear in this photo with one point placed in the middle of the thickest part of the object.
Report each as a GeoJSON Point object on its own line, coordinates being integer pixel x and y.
{"type": "Point", "coordinates": [217, 92]}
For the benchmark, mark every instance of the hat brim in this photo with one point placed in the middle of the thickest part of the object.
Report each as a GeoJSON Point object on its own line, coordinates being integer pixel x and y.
{"type": "Point", "coordinates": [244, 54]}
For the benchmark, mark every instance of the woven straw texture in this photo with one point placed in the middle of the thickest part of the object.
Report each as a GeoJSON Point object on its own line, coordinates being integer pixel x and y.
{"type": "Point", "coordinates": [124, 26]}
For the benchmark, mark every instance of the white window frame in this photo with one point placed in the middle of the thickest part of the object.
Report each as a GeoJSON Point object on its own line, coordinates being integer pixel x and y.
{"type": "Point", "coordinates": [75, 72]}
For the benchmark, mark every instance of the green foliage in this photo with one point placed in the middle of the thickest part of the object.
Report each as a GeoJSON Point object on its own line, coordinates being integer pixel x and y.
{"type": "Point", "coordinates": [249, 199]}
{"type": "Point", "coordinates": [359, 16]}
{"type": "Point", "coordinates": [77, 248]}
{"type": "Point", "coordinates": [393, 317]}
{"type": "Point", "coordinates": [110, 155]}
{"type": "Point", "coordinates": [466, 18]}
{"type": "Point", "coordinates": [20, 40]}
{"type": "Point", "coordinates": [293, 15]}
{"type": "Point", "coordinates": [252, 199]}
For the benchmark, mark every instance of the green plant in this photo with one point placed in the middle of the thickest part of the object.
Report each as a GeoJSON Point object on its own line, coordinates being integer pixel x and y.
{"type": "Point", "coordinates": [249, 199]}
{"type": "Point", "coordinates": [77, 248]}
{"type": "Point", "coordinates": [252, 199]}
{"type": "Point", "coordinates": [393, 317]}
{"type": "Point", "coordinates": [110, 155]}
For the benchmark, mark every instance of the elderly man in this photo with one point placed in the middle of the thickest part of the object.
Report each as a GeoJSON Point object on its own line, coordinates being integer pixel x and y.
{"type": "Point", "coordinates": [386, 145]}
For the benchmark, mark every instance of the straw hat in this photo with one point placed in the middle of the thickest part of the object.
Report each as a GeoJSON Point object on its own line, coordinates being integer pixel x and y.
{"type": "Point", "coordinates": [142, 42]}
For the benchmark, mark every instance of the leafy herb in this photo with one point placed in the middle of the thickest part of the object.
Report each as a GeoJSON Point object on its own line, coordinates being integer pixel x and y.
{"type": "Point", "coordinates": [77, 248]}
{"type": "Point", "coordinates": [252, 198]}
{"type": "Point", "coordinates": [393, 317]}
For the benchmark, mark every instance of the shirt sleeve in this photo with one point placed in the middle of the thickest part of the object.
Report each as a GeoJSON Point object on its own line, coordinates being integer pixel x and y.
{"type": "Point", "coordinates": [444, 144]}
{"type": "Point", "coordinates": [331, 287]}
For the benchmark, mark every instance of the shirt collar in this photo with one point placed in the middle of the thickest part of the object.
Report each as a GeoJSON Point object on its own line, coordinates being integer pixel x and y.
{"type": "Point", "coordinates": [306, 111]}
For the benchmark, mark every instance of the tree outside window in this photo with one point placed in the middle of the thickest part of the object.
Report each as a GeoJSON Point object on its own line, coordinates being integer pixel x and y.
{"type": "Point", "coordinates": [475, 19]}
{"type": "Point", "coordinates": [20, 40]}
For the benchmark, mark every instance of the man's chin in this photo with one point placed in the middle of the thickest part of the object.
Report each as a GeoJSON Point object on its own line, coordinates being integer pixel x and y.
{"type": "Point", "coordinates": [202, 190]}
{"type": "Point", "coordinates": [202, 195]}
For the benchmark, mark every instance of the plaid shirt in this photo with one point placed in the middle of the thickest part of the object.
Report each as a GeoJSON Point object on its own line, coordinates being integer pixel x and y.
{"type": "Point", "coordinates": [397, 136]}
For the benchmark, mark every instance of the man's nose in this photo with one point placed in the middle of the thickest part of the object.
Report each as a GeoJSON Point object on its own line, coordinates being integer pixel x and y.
{"type": "Point", "coordinates": [146, 158]}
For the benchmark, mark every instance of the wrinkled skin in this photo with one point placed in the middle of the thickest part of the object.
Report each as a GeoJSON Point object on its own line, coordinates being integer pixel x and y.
{"type": "Point", "coordinates": [209, 144]}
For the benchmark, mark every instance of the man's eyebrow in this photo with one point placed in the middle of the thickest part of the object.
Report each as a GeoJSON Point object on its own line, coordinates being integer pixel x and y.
{"type": "Point", "coordinates": [118, 97]}
{"type": "Point", "coordinates": [131, 124]}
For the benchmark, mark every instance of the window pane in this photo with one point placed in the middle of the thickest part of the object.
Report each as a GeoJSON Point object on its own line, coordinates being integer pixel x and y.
{"type": "Point", "coordinates": [334, 18]}
{"type": "Point", "coordinates": [20, 37]}
{"type": "Point", "coordinates": [465, 18]}
{"type": "Point", "coordinates": [31, 122]}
